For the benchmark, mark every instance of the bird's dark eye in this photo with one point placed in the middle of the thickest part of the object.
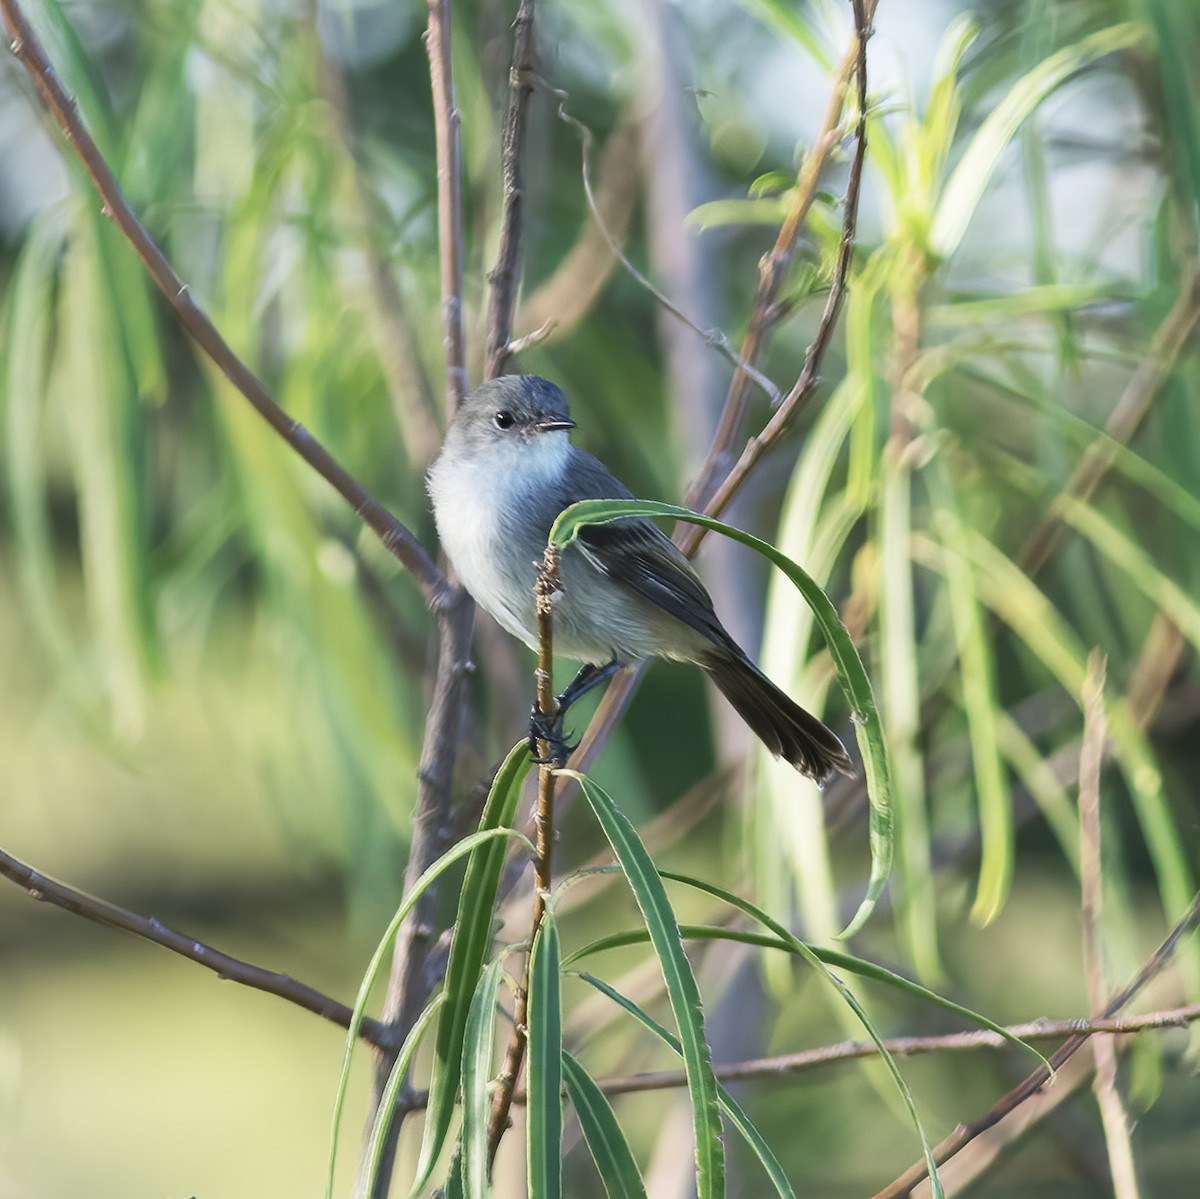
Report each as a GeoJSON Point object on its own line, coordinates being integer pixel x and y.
{"type": "Point", "coordinates": [503, 419]}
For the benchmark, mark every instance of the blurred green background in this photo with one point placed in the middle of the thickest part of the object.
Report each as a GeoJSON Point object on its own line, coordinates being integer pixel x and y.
{"type": "Point", "coordinates": [212, 682]}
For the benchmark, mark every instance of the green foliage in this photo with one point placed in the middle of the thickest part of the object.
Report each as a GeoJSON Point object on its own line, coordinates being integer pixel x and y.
{"type": "Point", "coordinates": [211, 676]}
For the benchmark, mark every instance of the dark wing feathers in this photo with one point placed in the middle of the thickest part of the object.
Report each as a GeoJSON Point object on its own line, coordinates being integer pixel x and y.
{"type": "Point", "coordinates": [638, 555]}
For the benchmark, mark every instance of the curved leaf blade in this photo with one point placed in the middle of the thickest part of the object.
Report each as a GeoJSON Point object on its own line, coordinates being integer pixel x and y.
{"type": "Point", "coordinates": [851, 673]}
{"type": "Point", "coordinates": [732, 1108]}
{"type": "Point", "coordinates": [468, 949]}
{"type": "Point", "coordinates": [543, 1077]}
{"type": "Point", "coordinates": [682, 991]}
{"type": "Point", "coordinates": [478, 1047]}
{"type": "Point", "coordinates": [606, 1142]}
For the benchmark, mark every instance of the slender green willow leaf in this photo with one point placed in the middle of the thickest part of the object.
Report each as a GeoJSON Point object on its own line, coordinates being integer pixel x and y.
{"type": "Point", "coordinates": [682, 991]}
{"type": "Point", "coordinates": [791, 850]}
{"type": "Point", "coordinates": [610, 1151]}
{"type": "Point", "coordinates": [902, 695]}
{"type": "Point", "coordinates": [386, 1111]}
{"type": "Point", "coordinates": [465, 846]}
{"type": "Point", "coordinates": [966, 185]}
{"type": "Point", "coordinates": [979, 701]}
{"type": "Point", "coordinates": [1017, 600]}
{"type": "Point", "coordinates": [479, 1041]}
{"type": "Point", "coordinates": [1039, 779]}
{"type": "Point", "coordinates": [847, 995]}
{"type": "Point", "coordinates": [731, 1107]}
{"type": "Point", "coordinates": [543, 1076]}
{"type": "Point", "coordinates": [26, 350]}
{"type": "Point", "coordinates": [783, 939]}
{"type": "Point", "coordinates": [1124, 553]}
{"type": "Point", "coordinates": [468, 950]}
{"type": "Point", "coordinates": [851, 674]}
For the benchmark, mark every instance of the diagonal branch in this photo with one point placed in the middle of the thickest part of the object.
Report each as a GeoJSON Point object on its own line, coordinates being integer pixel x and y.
{"type": "Point", "coordinates": [785, 1065]}
{"type": "Point", "coordinates": [1126, 418]}
{"type": "Point", "coordinates": [765, 313]}
{"type": "Point", "coordinates": [1030, 1086]}
{"type": "Point", "coordinates": [222, 964]}
{"type": "Point", "coordinates": [396, 537]}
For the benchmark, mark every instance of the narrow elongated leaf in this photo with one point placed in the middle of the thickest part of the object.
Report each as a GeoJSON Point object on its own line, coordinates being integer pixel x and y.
{"type": "Point", "coordinates": [386, 1111]}
{"type": "Point", "coordinates": [609, 1149]}
{"type": "Point", "coordinates": [543, 1076]}
{"type": "Point", "coordinates": [682, 991]}
{"type": "Point", "coordinates": [902, 700]}
{"type": "Point", "coordinates": [851, 674]}
{"type": "Point", "coordinates": [981, 705]}
{"type": "Point", "coordinates": [468, 950]}
{"type": "Point", "coordinates": [729, 1105]}
{"type": "Point", "coordinates": [465, 846]}
{"type": "Point", "coordinates": [478, 1046]}
{"type": "Point", "coordinates": [966, 185]}
{"type": "Point", "coordinates": [830, 957]}
{"type": "Point", "coordinates": [847, 995]}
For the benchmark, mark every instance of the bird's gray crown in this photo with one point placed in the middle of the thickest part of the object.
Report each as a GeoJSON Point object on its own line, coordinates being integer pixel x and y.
{"type": "Point", "coordinates": [513, 404]}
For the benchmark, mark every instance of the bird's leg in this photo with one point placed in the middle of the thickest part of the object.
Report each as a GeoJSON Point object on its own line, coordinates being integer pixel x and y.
{"type": "Point", "coordinates": [550, 729]}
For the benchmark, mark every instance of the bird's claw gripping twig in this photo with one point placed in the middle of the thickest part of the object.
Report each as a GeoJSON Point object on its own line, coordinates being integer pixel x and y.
{"type": "Point", "coordinates": [548, 730]}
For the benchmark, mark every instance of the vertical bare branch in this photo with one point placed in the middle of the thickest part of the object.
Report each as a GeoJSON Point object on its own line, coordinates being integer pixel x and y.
{"type": "Point", "coordinates": [446, 119]}
{"type": "Point", "coordinates": [772, 268]}
{"type": "Point", "coordinates": [548, 584]}
{"type": "Point", "coordinates": [414, 972]}
{"type": "Point", "coordinates": [1104, 1085]}
{"type": "Point", "coordinates": [505, 275]}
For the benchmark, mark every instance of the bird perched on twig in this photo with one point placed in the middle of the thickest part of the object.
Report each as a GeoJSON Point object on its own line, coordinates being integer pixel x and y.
{"type": "Point", "coordinates": [506, 471]}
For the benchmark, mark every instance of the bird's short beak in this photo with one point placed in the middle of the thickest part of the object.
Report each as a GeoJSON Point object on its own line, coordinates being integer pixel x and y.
{"type": "Point", "coordinates": [549, 426]}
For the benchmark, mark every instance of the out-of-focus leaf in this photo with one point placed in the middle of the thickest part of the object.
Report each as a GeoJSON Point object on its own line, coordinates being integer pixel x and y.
{"type": "Point", "coordinates": [770, 210]}
{"type": "Point", "coordinates": [966, 185]}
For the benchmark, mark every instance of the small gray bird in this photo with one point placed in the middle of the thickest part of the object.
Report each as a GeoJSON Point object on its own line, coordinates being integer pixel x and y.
{"type": "Point", "coordinates": [506, 471]}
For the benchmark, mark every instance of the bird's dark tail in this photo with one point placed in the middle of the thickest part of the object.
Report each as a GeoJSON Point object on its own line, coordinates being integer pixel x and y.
{"type": "Point", "coordinates": [784, 727]}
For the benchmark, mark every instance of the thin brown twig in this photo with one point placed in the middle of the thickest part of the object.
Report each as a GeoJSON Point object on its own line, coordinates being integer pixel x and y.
{"type": "Point", "coordinates": [1104, 1084]}
{"type": "Point", "coordinates": [505, 275]}
{"type": "Point", "coordinates": [765, 313]}
{"type": "Point", "coordinates": [396, 538]}
{"type": "Point", "coordinates": [563, 300]}
{"type": "Point", "coordinates": [226, 967]}
{"type": "Point", "coordinates": [446, 121]}
{"type": "Point", "coordinates": [785, 1065]}
{"type": "Point", "coordinates": [548, 585]}
{"type": "Point", "coordinates": [964, 1134]}
{"type": "Point", "coordinates": [688, 537]}
{"type": "Point", "coordinates": [714, 338]}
